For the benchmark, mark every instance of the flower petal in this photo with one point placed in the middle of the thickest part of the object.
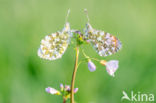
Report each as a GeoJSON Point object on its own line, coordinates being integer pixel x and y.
{"type": "Point", "coordinates": [112, 66]}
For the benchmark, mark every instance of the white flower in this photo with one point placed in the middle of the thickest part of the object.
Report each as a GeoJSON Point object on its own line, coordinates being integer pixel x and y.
{"type": "Point", "coordinates": [52, 91]}
{"type": "Point", "coordinates": [112, 66]}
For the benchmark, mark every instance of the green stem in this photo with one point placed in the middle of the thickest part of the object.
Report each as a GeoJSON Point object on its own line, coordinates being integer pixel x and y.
{"type": "Point", "coordinates": [87, 57]}
{"type": "Point", "coordinates": [95, 59]}
{"type": "Point", "coordinates": [74, 75]}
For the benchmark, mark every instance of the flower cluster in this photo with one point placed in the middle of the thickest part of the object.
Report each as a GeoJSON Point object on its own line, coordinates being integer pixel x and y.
{"type": "Point", "coordinates": [111, 66]}
{"type": "Point", "coordinates": [64, 91]}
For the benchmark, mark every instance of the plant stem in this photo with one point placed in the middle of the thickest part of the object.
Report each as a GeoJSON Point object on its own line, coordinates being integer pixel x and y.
{"type": "Point", "coordinates": [64, 100]}
{"type": "Point", "coordinates": [74, 75]}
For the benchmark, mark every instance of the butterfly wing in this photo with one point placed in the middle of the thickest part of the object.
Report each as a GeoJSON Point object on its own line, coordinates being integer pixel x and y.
{"type": "Point", "coordinates": [53, 46]}
{"type": "Point", "coordinates": [104, 43]}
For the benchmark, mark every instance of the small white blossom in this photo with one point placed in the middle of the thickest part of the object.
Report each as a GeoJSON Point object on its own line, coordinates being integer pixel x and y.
{"type": "Point", "coordinates": [52, 91]}
{"type": "Point", "coordinates": [112, 66]}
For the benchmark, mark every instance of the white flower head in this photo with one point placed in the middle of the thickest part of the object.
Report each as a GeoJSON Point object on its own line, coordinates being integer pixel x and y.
{"type": "Point", "coordinates": [112, 66]}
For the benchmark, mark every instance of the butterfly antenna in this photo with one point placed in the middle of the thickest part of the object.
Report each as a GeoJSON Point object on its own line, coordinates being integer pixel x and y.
{"type": "Point", "coordinates": [67, 15]}
{"type": "Point", "coordinates": [86, 12]}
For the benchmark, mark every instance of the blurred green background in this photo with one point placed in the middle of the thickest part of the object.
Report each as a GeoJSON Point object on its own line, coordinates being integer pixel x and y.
{"type": "Point", "coordinates": [24, 76]}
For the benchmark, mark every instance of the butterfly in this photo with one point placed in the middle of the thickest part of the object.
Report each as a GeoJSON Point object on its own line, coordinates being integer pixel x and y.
{"type": "Point", "coordinates": [54, 45]}
{"type": "Point", "coordinates": [104, 43]}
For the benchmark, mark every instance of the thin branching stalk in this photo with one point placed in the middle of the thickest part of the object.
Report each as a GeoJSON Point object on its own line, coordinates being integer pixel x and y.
{"type": "Point", "coordinates": [74, 75]}
{"type": "Point", "coordinates": [64, 100]}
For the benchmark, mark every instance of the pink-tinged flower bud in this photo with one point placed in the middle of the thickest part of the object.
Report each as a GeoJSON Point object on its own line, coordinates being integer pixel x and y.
{"type": "Point", "coordinates": [88, 41]}
{"type": "Point", "coordinates": [76, 90]}
{"type": "Point", "coordinates": [91, 66]}
{"type": "Point", "coordinates": [61, 87]}
{"type": "Point", "coordinates": [112, 66]}
{"type": "Point", "coordinates": [52, 91]}
{"type": "Point", "coordinates": [67, 88]}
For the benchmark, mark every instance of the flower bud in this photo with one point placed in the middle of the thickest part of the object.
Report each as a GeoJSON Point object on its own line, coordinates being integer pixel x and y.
{"type": "Point", "coordinates": [91, 66]}
{"type": "Point", "coordinates": [67, 88]}
{"type": "Point", "coordinates": [61, 87]}
{"type": "Point", "coordinates": [88, 41]}
{"type": "Point", "coordinates": [103, 62]}
{"type": "Point", "coordinates": [76, 90]}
